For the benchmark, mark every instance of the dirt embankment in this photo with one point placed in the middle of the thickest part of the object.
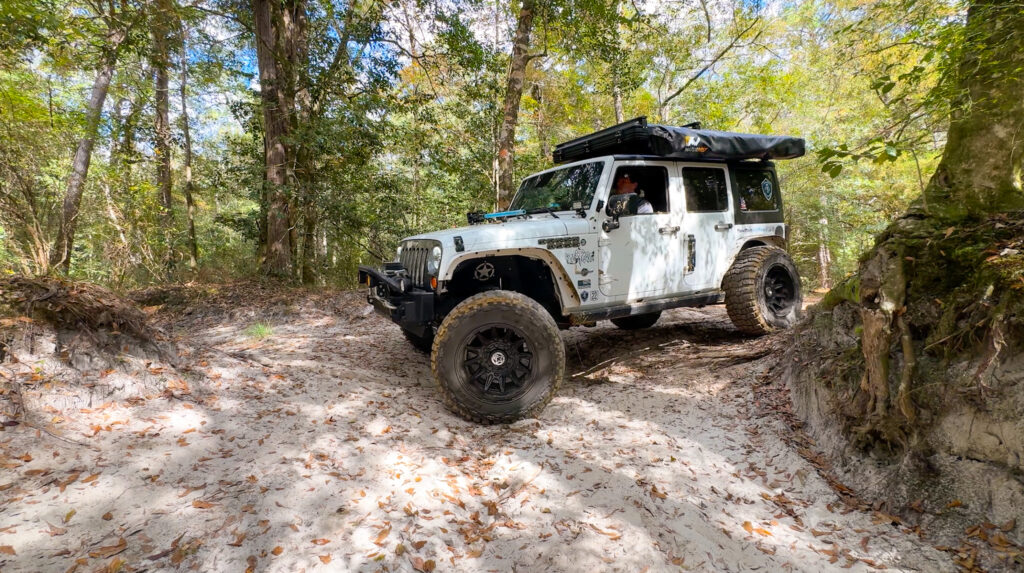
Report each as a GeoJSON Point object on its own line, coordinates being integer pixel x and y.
{"type": "Point", "coordinates": [948, 451]}
{"type": "Point", "coordinates": [297, 430]}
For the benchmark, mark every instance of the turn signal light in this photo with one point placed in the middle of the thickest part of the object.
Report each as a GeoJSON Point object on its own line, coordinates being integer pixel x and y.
{"type": "Point", "coordinates": [433, 282]}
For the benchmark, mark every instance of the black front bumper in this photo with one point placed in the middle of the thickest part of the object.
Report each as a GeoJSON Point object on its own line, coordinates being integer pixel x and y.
{"type": "Point", "coordinates": [392, 295]}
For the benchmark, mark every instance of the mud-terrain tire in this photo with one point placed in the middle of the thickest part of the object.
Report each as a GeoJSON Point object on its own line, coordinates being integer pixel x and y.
{"type": "Point", "coordinates": [762, 291]}
{"type": "Point", "coordinates": [637, 322]}
{"type": "Point", "coordinates": [498, 358]}
{"type": "Point", "coordinates": [422, 343]}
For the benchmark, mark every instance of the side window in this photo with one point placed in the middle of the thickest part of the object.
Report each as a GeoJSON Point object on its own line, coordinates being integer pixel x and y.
{"type": "Point", "coordinates": [649, 182]}
{"type": "Point", "coordinates": [705, 189]}
{"type": "Point", "coordinates": [757, 190]}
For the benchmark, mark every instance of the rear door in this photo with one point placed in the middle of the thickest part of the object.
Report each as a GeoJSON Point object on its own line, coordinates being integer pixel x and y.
{"type": "Point", "coordinates": [707, 225]}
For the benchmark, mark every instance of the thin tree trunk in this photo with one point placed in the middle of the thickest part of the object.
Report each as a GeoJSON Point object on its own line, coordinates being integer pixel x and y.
{"type": "Point", "coordinates": [278, 253]}
{"type": "Point", "coordinates": [190, 208]}
{"type": "Point", "coordinates": [540, 123]}
{"type": "Point", "coordinates": [162, 128]}
{"type": "Point", "coordinates": [617, 97]}
{"type": "Point", "coordinates": [504, 159]}
{"type": "Point", "coordinates": [61, 254]}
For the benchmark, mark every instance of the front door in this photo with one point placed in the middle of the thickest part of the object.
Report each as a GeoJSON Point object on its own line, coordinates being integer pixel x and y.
{"type": "Point", "coordinates": [644, 257]}
{"type": "Point", "coordinates": [708, 223]}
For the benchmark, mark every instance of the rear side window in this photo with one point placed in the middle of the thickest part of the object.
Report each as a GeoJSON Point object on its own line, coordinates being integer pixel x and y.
{"type": "Point", "coordinates": [757, 189]}
{"type": "Point", "coordinates": [705, 189]}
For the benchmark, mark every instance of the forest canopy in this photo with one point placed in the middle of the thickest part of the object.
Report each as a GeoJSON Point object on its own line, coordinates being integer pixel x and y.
{"type": "Point", "coordinates": [145, 141]}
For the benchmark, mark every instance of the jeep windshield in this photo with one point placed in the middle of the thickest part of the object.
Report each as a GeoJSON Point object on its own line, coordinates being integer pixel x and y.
{"type": "Point", "coordinates": [565, 189]}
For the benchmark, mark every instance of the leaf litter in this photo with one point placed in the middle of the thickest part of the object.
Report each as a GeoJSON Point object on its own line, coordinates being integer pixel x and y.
{"type": "Point", "coordinates": [324, 446]}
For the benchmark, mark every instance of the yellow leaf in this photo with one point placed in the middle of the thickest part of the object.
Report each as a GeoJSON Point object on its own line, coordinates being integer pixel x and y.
{"type": "Point", "coordinates": [200, 504]}
{"type": "Point", "coordinates": [69, 515]}
{"type": "Point", "coordinates": [321, 541]}
{"type": "Point", "coordinates": [748, 527]}
{"type": "Point", "coordinates": [108, 516]}
{"type": "Point", "coordinates": [238, 540]}
{"type": "Point", "coordinates": [325, 559]}
{"type": "Point", "coordinates": [7, 550]}
{"type": "Point", "coordinates": [91, 478]}
{"type": "Point", "coordinates": [278, 550]}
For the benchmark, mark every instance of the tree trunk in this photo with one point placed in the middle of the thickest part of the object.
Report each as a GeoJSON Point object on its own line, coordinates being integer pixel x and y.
{"type": "Point", "coordinates": [513, 93]}
{"type": "Point", "coordinates": [617, 97]}
{"type": "Point", "coordinates": [980, 169]}
{"type": "Point", "coordinates": [61, 254]}
{"type": "Point", "coordinates": [162, 128]}
{"type": "Point", "coordinates": [978, 176]}
{"type": "Point", "coordinates": [277, 261]}
{"type": "Point", "coordinates": [190, 208]}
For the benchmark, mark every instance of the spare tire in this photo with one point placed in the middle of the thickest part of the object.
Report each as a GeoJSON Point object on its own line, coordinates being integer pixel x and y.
{"type": "Point", "coordinates": [762, 291]}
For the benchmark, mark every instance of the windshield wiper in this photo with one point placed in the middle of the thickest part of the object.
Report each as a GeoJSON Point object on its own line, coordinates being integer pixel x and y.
{"type": "Point", "coordinates": [539, 210]}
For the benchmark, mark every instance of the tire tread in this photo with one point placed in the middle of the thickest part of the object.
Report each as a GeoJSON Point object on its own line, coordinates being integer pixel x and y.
{"type": "Point", "coordinates": [513, 301]}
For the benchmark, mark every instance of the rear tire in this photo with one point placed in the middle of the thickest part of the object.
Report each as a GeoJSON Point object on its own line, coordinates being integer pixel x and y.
{"type": "Point", "coordinates": [637, 322]}
{"type": "Point", "coordinates": [762, 291]}
{"type": "Point", "coordinates": [498, 358]}
{"type": "Point", "coordinates": [422, 343]}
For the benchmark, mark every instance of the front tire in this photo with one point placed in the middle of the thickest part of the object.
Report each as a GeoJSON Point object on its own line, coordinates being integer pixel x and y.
{"type": "Point", "coordinates": [762, 291]}
{"type": "Point", "coordinates": [498, 358]}
{"type": "Point", "coordinates": [637, 322]}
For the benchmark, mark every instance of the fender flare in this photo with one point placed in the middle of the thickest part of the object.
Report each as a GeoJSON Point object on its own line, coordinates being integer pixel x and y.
{"type": "Point", "coordinates": [567, 295]}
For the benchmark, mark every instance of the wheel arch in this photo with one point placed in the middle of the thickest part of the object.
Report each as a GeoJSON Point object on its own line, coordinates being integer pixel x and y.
{"type": "Point", "coordinates": [562, 293]}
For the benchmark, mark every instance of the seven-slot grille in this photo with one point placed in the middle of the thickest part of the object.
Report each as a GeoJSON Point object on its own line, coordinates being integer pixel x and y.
{"type": "Point", "coordinates": [414, 261]}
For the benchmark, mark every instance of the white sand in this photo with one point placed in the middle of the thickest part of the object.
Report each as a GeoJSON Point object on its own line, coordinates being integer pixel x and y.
{"type": "Point", "coordinates": [340, 456]}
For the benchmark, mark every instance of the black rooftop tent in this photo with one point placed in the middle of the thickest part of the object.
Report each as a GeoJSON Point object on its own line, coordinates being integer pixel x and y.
{"type": "Point", "coordinates": [636, 137]}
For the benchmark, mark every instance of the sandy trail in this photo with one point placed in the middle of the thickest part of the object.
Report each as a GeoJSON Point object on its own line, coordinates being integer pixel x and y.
{"type": "Point", "coordinates": [324, 447]}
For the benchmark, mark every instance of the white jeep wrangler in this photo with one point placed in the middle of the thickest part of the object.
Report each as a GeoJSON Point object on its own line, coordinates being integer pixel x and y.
{"type": "Point", "coordinates": [487, 300]}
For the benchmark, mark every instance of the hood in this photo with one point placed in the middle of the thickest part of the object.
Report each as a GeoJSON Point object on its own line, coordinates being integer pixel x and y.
{"type": "Point", "coordinates": [497, 235]}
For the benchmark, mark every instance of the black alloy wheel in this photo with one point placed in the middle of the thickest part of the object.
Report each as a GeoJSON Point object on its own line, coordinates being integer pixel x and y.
{"type": "Point", "coordinates": [498, 359]}
{"type": "Point", "coordinates": [779, 290]}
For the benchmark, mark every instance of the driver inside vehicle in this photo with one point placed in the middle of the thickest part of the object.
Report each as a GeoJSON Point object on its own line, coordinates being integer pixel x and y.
{"type": "Point", "coordinates": [626, 184]}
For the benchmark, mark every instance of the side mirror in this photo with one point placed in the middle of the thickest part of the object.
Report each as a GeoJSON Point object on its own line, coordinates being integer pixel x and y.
{"type": "Point", "coordinates": [619, 205]}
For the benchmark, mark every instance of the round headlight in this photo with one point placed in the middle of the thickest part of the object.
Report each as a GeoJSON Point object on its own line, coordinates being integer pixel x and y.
{"type": "Point", "coordinates": [434, 260]}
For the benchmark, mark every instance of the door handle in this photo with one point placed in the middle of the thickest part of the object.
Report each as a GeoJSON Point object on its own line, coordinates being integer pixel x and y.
{"type": "Point", "coordinates": [668, 230]}
{"type": "Point", "coordinates": [723, 226]}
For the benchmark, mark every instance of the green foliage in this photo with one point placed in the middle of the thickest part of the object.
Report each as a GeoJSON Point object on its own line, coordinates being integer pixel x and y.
{"type": "Point", "coordinates": [259, 331]}
{"type": "Point", "coordinates": [399, 137]}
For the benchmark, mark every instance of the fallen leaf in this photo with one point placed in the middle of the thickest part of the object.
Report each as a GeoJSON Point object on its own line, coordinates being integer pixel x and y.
{"type": "Point", "coordinates": [7, 550]}
{"type": "Point", "coordinates": [115, 565]}
{"type": "Point", "coordinates": [382, 536]}
{"type": "Point", "coordinates": [200, 504]}
{"type": "Point", "coordinates": [69, 515]}
{"type": "Point", "coordinates": [278, 550]}
{"type": "Point", "coordinates": [954, 503]}
{"type": "Point", "coordinates": [321, 541]}
{"type": "Point", "coordinates": [91, 478]}
{"type": "Point", "coordinates": [238, 540]}
{"type": "Point", "coordinates": [110, 550]}
{"type": "Point", "coordinates": [54, 530]}
{"type": "Point", "coordinates": [325, 559]}
{"type": "Point", "coordinates": [108, 516]}
{"type": "Point", "coordinates": [418, 545]}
